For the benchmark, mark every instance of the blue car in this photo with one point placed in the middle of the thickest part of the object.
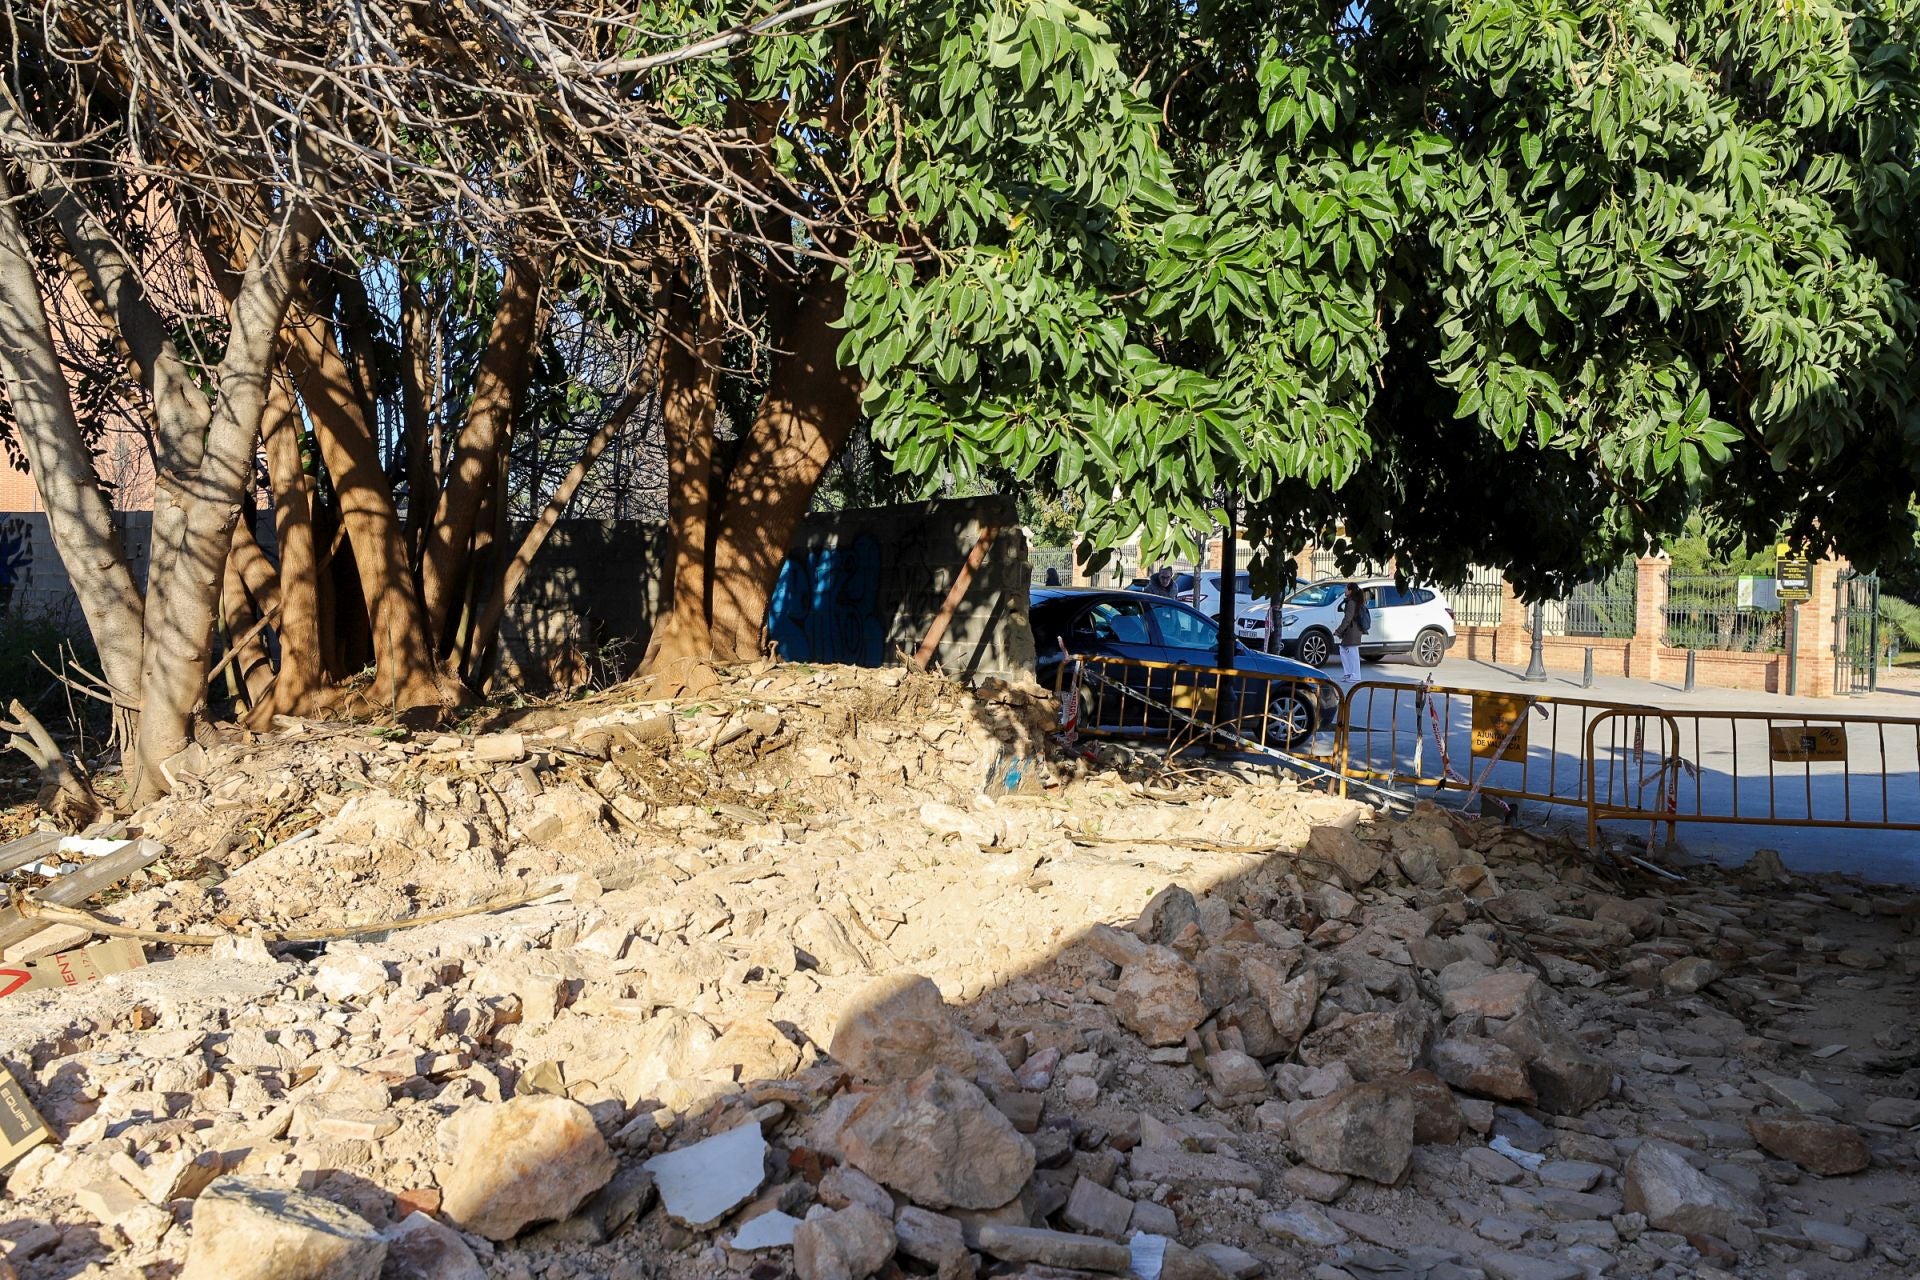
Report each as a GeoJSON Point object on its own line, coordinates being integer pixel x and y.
{"type": "Point", "coordinates": [1169, 679]}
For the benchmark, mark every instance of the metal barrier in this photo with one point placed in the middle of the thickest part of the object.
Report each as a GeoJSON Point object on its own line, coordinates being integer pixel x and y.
{"type": "Point", "coordinates": [1186, 705]}
{"type": "Point", "coordinates": [1617, 762]}
{"type": "Point", "coordinates": [1822, 771]}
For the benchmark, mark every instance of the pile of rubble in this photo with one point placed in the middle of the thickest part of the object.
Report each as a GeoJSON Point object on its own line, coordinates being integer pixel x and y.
{"type": "Point", "coordinates": [833, 975]}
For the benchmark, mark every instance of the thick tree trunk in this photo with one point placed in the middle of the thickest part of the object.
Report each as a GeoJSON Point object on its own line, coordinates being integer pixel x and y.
{"type": "Point", "coordinates": [180, 616]}
{"type": "Point", "coordinates": [804, 419]}
{"type": "Point", "coordinates": [402, 666]}
{"type": "Point", "coordinates": [62, 467]}
{"type": "Point", "coordinates": [301, 672]}
{"type": "Point", "coordinates": [687, 413]}
{"type": "Point", "coordinates": [497, 387]}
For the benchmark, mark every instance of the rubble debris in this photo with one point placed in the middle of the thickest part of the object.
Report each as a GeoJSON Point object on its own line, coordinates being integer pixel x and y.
{"type": "Point", "coordinates": [245, 1229]}
{"type": "Point", "coordinates": [938, 1141]}
{"type": "Point", "coordinates": [515, 1163]}
{"type": "Point", "coordinates": [847, 1244]}
{"type": "Point", "coordinates": [702, 1183]}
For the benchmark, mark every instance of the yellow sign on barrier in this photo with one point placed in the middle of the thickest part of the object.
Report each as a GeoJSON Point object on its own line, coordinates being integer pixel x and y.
{"type": "Point", "coordinates": [1494, 716]}
{"type": "Point", "coordinates": [1799, 744]}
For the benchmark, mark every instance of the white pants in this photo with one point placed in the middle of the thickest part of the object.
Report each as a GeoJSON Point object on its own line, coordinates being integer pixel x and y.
{"type": "Point", "coordinates": [1349, 662]}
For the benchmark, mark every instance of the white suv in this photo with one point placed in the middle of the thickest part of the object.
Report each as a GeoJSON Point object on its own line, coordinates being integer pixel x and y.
{"type": "Point", "coordinates": [1414, 622]}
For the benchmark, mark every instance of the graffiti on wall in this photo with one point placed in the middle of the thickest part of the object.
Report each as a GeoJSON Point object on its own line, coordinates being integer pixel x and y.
{"type": "Point", "coordinates": [826, 604]}
{"type": "Point", "coordinates": [16, 559]}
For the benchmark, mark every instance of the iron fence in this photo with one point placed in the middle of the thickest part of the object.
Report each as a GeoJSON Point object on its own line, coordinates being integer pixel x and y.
{"type": "Point", "coordinates": [1058, 559]}
{"type": "Point", "coordinates": [1603, 608]}
{"type": "Point", "coordinates": [1478, 601]}
{"type": "Point", "coordinates": [1722, 613]}
{"type": "Point", "coordinates": [1326, 564]}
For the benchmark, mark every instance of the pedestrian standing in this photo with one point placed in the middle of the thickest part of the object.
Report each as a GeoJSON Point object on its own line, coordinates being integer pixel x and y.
{"type": "Point", "coordinates": [1353, 625]}
{"type": "Point", "coordinates": [1161, 583]}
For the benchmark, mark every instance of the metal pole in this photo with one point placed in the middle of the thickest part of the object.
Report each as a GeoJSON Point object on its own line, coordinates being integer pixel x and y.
{"type": "Point", "coordinates": [1586, 678]}
{"type": "Point", "coordinates": [1873, 634]}
{"type": "Point", "coordinates": [1691, 654]}
{"type": "Point", "coordinates": [1537, 659]}
{"type": "Point", "coordinates": [1793, 647]}
{"type": "Point", "coordinates": [1228, 570]}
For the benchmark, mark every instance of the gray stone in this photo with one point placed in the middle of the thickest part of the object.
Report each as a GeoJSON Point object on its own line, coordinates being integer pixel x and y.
{"type": "Point", "coordinates": [1841, 1243]}
{"type": "Point", "coordinates": [1571, 1175]}
{"type": "Point", "coordinates": [1365, 1130]}
{"type": "Point", "coordinates": [1315, 1184]}
{"type": "Point", "coordinates": [771, 1230]}
{"type": "Point", "coordinates": [703, 1183]}
{"type": "Point", "coordinates": [1154, 1219]}
{"type": "Point", "coordinates": [932, 1238]}
{"type": "Point", "coordinates": [1055, 1249]}
{"type": "Point", "coordinates": [1675, 1196]}
{"type": "Point", "coordinates": [1492, 1166]}
{"type": "Point", "coordinates": [1520, 1266]}
{"type": "Point", "coordinates": [1304, 1224]}
{"type": "Point", "coordinates": [1235, 1263]}
{"type": "Point", "coordinates": [1799, 1095]}
{"type": "Point", "coordinates": [1097, 1211]}
{"type": "Point", "coordinates": [1903, 1113]}
{"type": "Point", "coordinates": [245, 1229]}
{"type": "Point", "coordinates": [850, 1244]}
{"type": "Point", "coordinates": [1688, 975]}
{"type": "Point", "coordinates": [1195, 1169]}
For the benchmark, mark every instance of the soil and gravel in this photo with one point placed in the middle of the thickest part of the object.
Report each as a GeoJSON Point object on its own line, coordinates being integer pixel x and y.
{"type": "Point", "coordinates": [833, 974]}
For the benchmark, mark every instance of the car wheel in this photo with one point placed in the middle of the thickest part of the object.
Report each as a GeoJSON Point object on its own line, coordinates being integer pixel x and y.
{"type": "Point", "coordinates": [1292, 719]}
{"type": "Point", "coordinates": [1429, 647]}
{"type": "Point", "coordinates": [1315, 647]}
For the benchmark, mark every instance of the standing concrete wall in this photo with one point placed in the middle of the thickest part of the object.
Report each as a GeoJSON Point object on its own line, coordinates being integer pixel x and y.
{"type": "Point", "coordinates": [34, 583]}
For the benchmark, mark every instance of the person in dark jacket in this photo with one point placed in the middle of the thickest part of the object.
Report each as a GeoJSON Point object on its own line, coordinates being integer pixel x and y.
{"type": "Point", "coordinates": [1161, 583]}
{"type": "Point", "coordinates": [1353, 626]}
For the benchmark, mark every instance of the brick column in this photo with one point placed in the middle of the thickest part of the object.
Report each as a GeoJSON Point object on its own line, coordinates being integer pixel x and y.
{"type": "Point", "coordinates": [1303, 564]}
{"type": "Point", "coordinates": [1815, 634]}
{"type": "Point", "coordinates": [1649, 617]}
{"type": "Point", "coordinates": [1510, 639]}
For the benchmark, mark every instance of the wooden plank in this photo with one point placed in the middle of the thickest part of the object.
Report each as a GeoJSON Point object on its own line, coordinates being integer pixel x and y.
{"type": "Point", "coordinates": [30, 848]}
{"type": "Point", "coordinates": [76, 887]}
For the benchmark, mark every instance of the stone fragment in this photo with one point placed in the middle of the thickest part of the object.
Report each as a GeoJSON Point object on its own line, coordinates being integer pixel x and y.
{"type": "Point", "coordinates": [1493, 1166]}
{"type": "Point", "coordinates": [850, 1244]}
{"type": "Point", "coordinates": [1237, 1075]}
{"type": "Point", "coordinates": [1800, 1095]}
{"type": "Point", "coordinates": [1228, 1261]}
{"type": "Point", "coordinates": [1154, 1219]}
{"type": "Point", "coordinates": [929, 1237]}
{"type": "Point", "coordinates": [1289, 1004]}
{"type": "Point", "coordinates": [845, 1185]}
{"type": "Point", "coordinates": [1054, 1249]}
{"type": "Point", "coordinates": [1436, 1115]}
{"type": "Point", "coordinates": [1675, 1196]}
{"type": "Point", "coordinates": [1498, 995]}
{"type": "Point", "coordinates": [1688, 975]}
{"type": "Point", "coordinates": [704, 1182]}
{"type": "Point", "coordinates": [1838, 1241]}
{"type": "Point", "coordinates": [897, 1027]}
{"type": "Point", "coordinates": [1818, 1146]}
{"type": "Point", "coordinates": [1372, 1045]}
{"type": "Point", "coordinates": [1304, 1224]}
{"type": "Point", "coordinates": [939, 1142]}
{"type": "Point", "coordinates": [1486, 1067]}
{"type": "Point", "coordinates": [1365, 1130]}
{"type": "Point", "coordinates": [1097, 1211]}
{"type": "Point", "coordinates": [349, 976]}
{"type": "Point", "coordinates": [1191, 1168]}
{"type": "Point", "coordinates": [530, 1159]}
{"type": "Point", "coordinates": [419, 1248]}
{"type": "Point", "coordinates": [245, 1229]}
{"type": "Point", "coordinates": [1571, 1175]}
{"type": "Point", "coordinates": [500, 748]}
{"type": "Point", "coordinates": [771, 1230]}
{"type": "Point", "coordinates": [1566, 1079]}
{"type": "Point", "coordinates": [1902, 1113]}
{"type": "Point", "coordinates": [1158, 994]}
{"type": "Point", "coordinates": [1358, 861]}
{"type": "Point", "coordinates": [1521, 1266]}
{"type": "Point", "coordinates": [1314, 1184]}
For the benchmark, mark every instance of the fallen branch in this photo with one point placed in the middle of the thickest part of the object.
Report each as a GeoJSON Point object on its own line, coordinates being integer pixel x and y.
{"type": "Point", "coordinates": [64, 794]}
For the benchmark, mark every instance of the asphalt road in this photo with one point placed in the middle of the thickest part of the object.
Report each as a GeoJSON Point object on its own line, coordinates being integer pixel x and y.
{"type": "Point", "coordinates": [1732, 765]}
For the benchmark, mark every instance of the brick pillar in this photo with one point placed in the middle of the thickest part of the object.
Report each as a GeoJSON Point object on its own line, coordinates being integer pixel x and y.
{"type": "Point", "coordinates": [1510, 639]}
{"type": "Point", "coordinates": [1816, 634]}
{"type": "Point", "coordinates": [1649, 618]}
{"type": "Point", "coordinates": [1303, 564]}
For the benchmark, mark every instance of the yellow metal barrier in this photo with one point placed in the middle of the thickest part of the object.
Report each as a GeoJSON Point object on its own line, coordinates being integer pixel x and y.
{"type": "Point", "coordinates": [1849, 771]}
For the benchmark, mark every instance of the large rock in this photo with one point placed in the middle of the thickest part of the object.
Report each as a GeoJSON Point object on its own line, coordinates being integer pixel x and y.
{"type": "Point", "coordinates": [245, 1229]}
{"type": "Point", "coordinates": [939, 1142]}
{"type": "Point", "coordinates": [1498, 995]}
{"type": "Point", "coordinates": [1358, 861]}
{"type": "Point", "coordinates": [1289, 1004]}
{"type": "Point", "coordinates": [1675, 1196]}
{"type": "Point", "coordinates": [1385, 1043]}
{"type": "Point", "coordinates": [1818, 1146]}
{"type": "Point", "coordinates": [897, 1027]}
{"type": "Point", "coordinates": [1436, 1114]}
{"type": "Point", "coordinates": [849, 1245]}
{"type": "Point", "coordinates": [1054, 1248]}
{"type": "Point", "coordinates": [531, 1159]}
{"type": "Point", "coordinates": [1365, 1130]}
{"type": "Point", "coordinates": [1477, 1065]}
{"type": "Point", "coordinates": [1158, 994]}
{"type": "Point", "coordinates": [1566, 1079]}
{"type": "Point", "coordinates": [419, 1248]}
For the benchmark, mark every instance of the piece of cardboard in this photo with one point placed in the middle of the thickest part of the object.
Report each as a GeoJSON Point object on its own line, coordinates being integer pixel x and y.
{"type": "Point", "coordinates": [21, 1128]}
{"type": "Point", "coordinates": [71, 968]}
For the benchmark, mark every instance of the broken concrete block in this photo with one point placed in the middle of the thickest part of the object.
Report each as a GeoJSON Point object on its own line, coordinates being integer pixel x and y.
{"type": "Point", "coordinates": [702, 1183]}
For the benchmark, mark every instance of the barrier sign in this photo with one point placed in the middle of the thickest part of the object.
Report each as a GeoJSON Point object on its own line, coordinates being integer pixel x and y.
{"type": "Point", "coordinates": [21, 1128]}
{"type": "Point", "coordinates": [1792, 573]}
{"type": "Point", "coordinates": [1798, 744]}
{"type": "Point", "coordinates": [1494, 716]}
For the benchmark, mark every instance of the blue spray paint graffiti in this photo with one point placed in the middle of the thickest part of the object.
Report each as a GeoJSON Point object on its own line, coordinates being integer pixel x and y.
{"type": "Point", "coordinates": [16, 558]}
{"type": "Point", "coordinates": [826, 604]}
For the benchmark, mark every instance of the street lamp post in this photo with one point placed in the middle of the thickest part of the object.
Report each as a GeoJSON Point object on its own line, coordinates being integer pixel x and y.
{"type": "Point", "coordinates": [1537, 658]}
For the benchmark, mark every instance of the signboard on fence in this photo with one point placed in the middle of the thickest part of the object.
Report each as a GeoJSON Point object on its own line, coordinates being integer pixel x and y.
{"type": "Point", "coordinates": [1793, 572]}
{"type": "Point", "coordinates": [1807, 743]}
{"type": "Point", "coordinates": [1495, 715]}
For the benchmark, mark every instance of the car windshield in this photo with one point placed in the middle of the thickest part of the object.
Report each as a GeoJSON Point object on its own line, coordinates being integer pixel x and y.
{"type": "Point", "coordinates": [1318, 595]}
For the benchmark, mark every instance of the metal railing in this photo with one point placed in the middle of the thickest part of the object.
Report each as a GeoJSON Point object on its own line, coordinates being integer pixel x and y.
{"type": "Point", "coordinates": [1721, 613]}
{"type": "Point", "coordinates": [1601, 609]}
{"type": "Point", "coordinates": [1616, 762]}
{"type": "Point", "coordinates": [1480, 599]}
